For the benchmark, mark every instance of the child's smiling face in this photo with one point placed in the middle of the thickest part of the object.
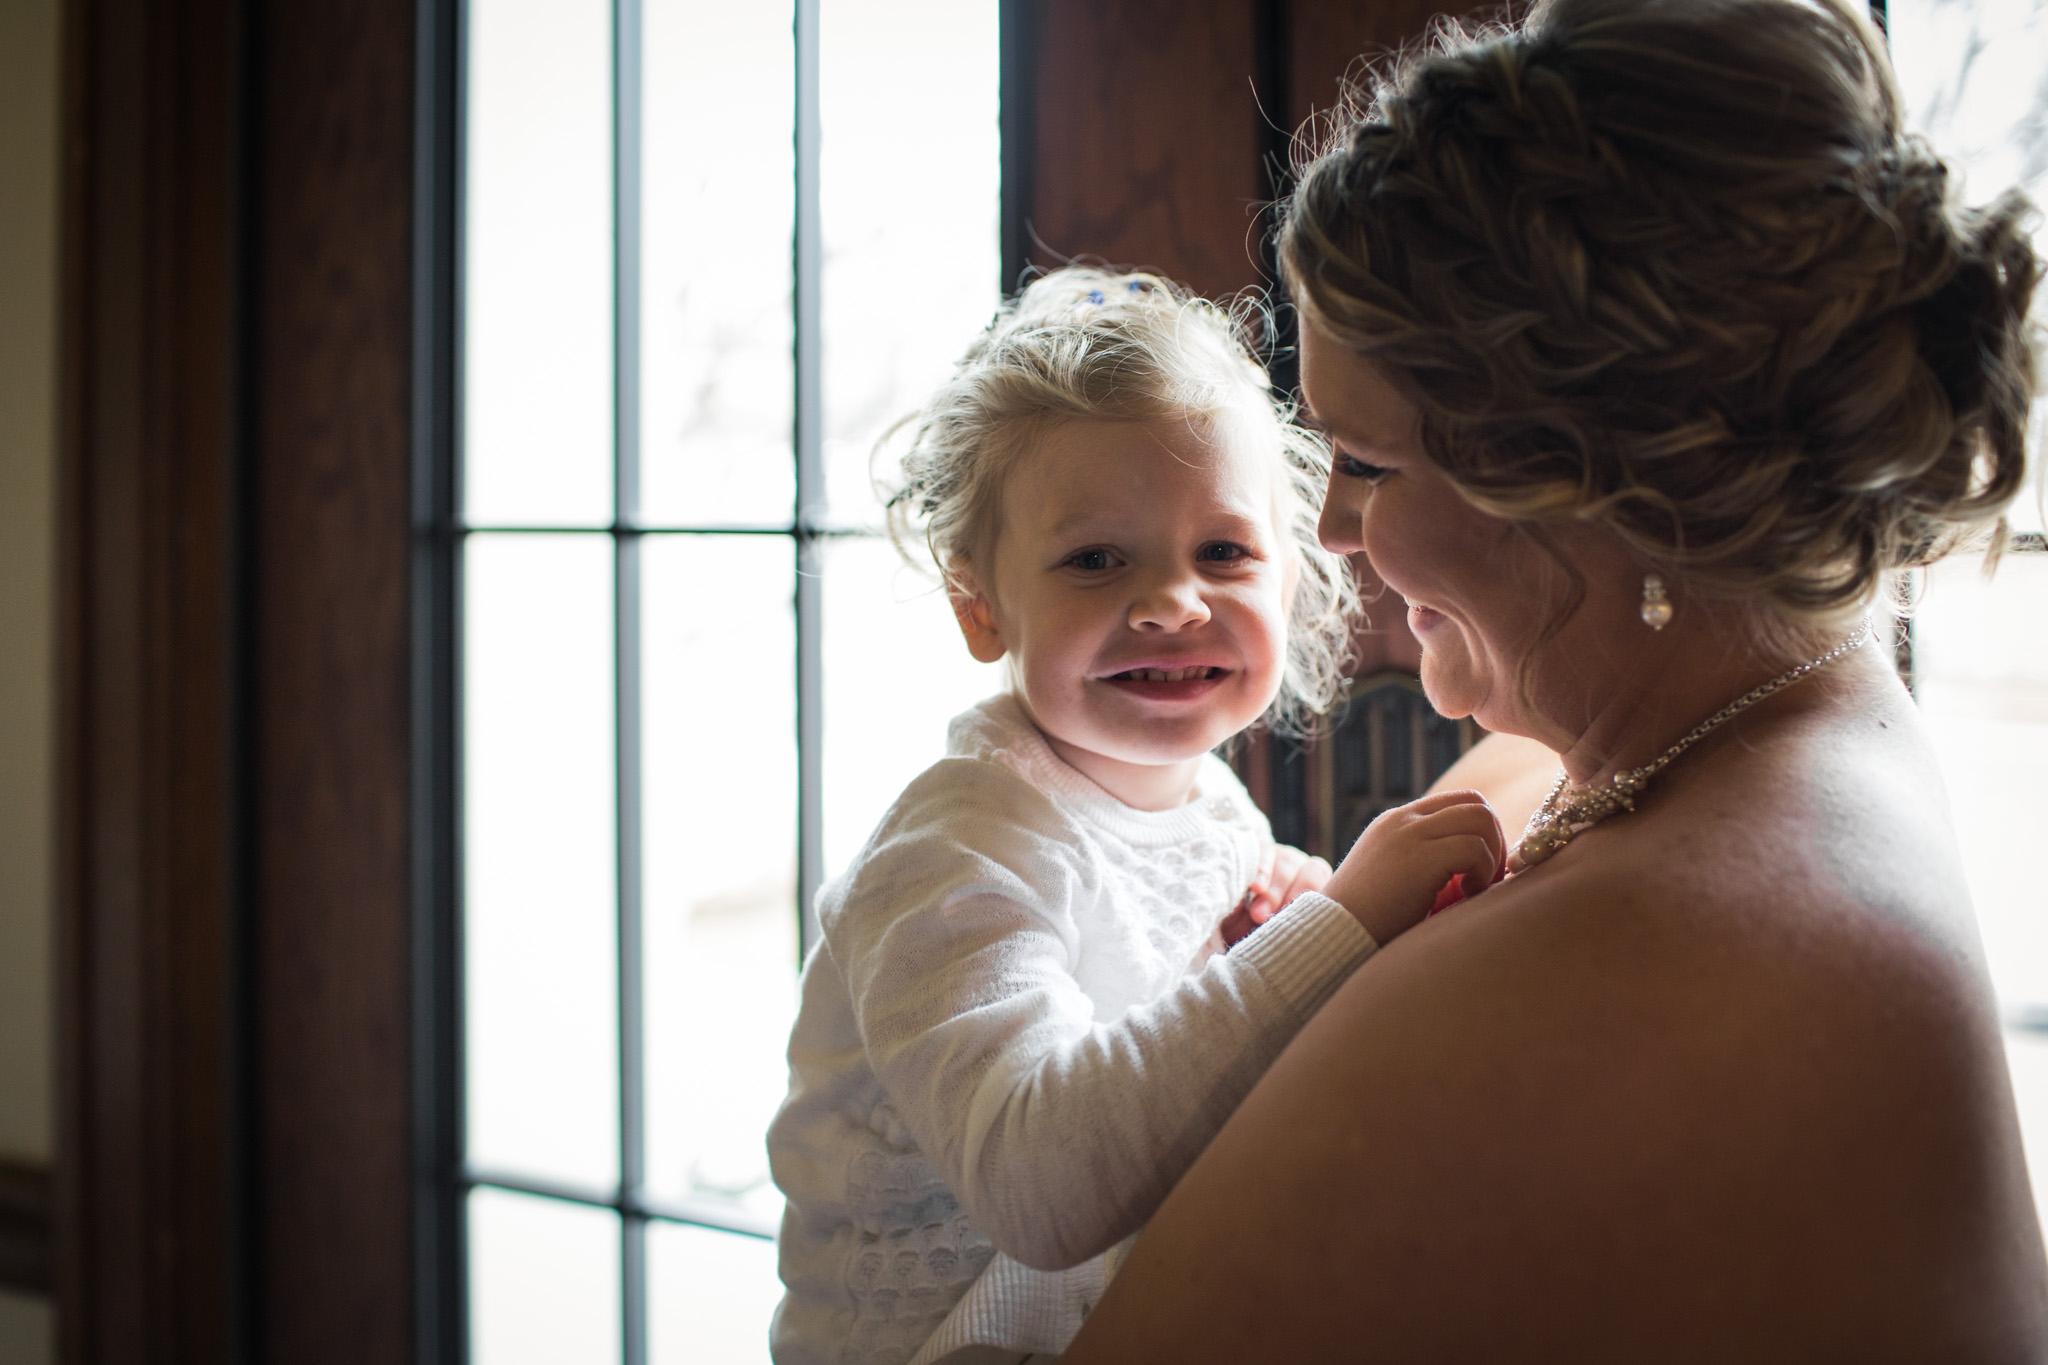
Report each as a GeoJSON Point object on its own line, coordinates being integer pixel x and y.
{"type": "Point", "coordinates": [1139, 584]}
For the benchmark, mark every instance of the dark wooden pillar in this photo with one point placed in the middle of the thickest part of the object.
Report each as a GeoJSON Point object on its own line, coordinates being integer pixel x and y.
{"type": "Point", "coordinates": [233, 975]}
{"type": "Point", "coordinates": [152, 844]}
{"type": "Point", "coordinates": [329, 616]}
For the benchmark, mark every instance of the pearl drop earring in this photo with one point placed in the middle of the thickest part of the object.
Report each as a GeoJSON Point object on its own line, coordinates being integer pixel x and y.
{"type": "Point", "coordinates": [1656, 605]}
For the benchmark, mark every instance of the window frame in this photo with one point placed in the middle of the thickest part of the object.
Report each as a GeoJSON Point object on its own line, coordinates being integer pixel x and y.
{"type": "Point", "coordinates": [444, 1177]}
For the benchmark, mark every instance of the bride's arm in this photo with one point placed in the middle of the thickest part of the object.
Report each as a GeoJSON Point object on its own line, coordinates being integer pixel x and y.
{"type": "Point", "coordinates": [1587, 1121]}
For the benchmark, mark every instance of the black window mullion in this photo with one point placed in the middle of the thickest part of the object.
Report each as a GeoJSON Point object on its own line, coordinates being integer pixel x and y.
{"type": "Point", "coordinates": [808, 262]}
{"type": "Point", "coordinates": [440, 1223]}
{"type": "Point", "coordinates": [626, 170]}
{"type": "Point", "coordinates": [690, 1210]}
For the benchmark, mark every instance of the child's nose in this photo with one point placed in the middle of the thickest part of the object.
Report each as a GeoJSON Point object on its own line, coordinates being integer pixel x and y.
{"type": "Point", "coordinates": [1170, 602]}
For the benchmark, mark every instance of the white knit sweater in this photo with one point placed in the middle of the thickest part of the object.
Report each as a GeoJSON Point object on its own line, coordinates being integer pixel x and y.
{"type": "Point", "coordinates": [1013, 1040]}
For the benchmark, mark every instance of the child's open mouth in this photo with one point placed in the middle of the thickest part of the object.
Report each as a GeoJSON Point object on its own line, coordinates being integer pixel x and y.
{"type": "Point", "coordinates": [1199, 673]}
{"type": "Point", "coordinates": [1169, 684]}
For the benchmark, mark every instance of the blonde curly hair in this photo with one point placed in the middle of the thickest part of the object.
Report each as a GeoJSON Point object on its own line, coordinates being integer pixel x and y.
{"type": "Point", "coordinates": [1084, 342]}
{"type": "Point", "coordinates": [1675, 267]}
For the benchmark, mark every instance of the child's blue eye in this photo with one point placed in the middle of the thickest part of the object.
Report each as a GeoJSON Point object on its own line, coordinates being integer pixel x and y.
{"type": "Point", "coordinates": [1221, 552]}
{"type": "Point", "coordinates": [1090, 561]}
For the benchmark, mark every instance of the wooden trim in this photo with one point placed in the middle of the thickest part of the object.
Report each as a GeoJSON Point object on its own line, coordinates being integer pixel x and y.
{"type": "Point", "coordinates": [234, 1108]}
{"type": "Point", "coordinates": [1018, 22]}
{"type": "Point", "coordinates": [331, 493]}
{"type": "Point", "coordinates": [25, 1228]}
{"type": "Point", "coordinates": [150, 845]}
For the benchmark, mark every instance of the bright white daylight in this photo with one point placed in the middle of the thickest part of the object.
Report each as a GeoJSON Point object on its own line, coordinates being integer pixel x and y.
{"type": "Point", "coordinates": [631, 730]}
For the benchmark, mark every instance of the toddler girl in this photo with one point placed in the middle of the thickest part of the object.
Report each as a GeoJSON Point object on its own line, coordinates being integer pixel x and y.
{"type": "Point", "coordinates": [1015, 1033]}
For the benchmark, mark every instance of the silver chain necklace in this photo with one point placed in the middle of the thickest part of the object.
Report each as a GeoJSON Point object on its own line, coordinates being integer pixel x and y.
{"type": "Point", "coordinates": [1558, 822]}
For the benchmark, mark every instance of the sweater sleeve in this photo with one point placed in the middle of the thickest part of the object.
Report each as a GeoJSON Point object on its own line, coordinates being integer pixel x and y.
{"type": "Point", "coordinates": [1058, 1133]}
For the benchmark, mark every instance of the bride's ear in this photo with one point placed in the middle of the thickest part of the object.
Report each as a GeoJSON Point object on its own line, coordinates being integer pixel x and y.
{"type": "Point", "coordinates": [972, 610]}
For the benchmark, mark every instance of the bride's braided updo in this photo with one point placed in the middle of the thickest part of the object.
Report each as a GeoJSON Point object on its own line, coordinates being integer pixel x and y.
{"type": "Point", "coordinates": [1674, 267]}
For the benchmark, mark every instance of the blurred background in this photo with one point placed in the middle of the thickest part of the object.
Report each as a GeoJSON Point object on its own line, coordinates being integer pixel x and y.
{"type": "Point", "coordinates": [447, 634]}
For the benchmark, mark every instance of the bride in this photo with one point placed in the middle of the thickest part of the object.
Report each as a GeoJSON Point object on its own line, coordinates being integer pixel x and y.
{"type": "Point", "coordinates": [1652, 351]}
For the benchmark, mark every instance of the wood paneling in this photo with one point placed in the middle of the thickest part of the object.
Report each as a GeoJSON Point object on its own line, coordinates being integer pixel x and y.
{"type": "Point", "coordinates": [150, 655]}
{"type": "Point", "coordinates": [1148, 137]}
{"type": "Point", "coordinates": [234, 501]}
{"type": "Point", "coordinates": [25, 1236]}
{"type": "Point", "coordinates": [1149, 130]}
{"type": "Point", "coordinates": [331, 486]}
{"type": "Point", "coordinates": [1328, 41]}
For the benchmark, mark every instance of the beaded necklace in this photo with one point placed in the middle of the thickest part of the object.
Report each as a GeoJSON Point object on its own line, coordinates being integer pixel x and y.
{"type": "Point", "coordinates": [1558, 822]}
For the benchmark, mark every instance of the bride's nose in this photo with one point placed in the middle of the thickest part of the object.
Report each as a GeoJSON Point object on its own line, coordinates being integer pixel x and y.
{"type": "Point", "coordinates": [1341, 523]}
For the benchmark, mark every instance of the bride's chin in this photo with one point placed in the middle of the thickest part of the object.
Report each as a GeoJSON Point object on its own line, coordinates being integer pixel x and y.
{"type": "Point", "coordinates": [1451, 686]}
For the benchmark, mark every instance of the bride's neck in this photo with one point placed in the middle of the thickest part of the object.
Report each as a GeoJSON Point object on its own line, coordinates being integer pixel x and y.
{"type": "Point", "coordinates": [1622, 707]}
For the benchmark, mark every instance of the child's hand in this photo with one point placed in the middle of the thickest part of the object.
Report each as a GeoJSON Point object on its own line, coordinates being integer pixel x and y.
{"type": "Point", "coordinates": [1393, 873]}
{"type": "Point", "coordinates": [1286, 874]}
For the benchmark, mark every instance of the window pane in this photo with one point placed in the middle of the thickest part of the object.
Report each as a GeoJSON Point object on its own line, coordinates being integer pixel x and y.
{"type": "Point", "coordinates": [1980, 662]}
{"type": "Point", "coordinates": [543, 1281]}
{"type": "Point", "coordinates": [1975, 77]}
{"type": "Point", "coordinates": [710, 1296]}
{"type": "Point", "coordinates": [541, 896]}
{"type": "Point", "coordinates": [895, 672]}
{"type": "Point", "coordinates": [910, 169]}
{"type": "Point", "coordinates": [537, 291]}
{"type": "Point", "coordinates": [718, 207]}
{"type": "Point", "coordinates": [719, 706]}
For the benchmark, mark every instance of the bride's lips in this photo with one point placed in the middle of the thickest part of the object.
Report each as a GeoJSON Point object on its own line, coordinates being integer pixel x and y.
{"type": "Point", "coordinates": [1421, 618]}
{"type": "Point", "coordinates": [1168, 682]}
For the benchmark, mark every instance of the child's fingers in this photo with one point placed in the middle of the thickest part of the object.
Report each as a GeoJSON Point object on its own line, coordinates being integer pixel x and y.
{"type": "Point", "coordinates": [1475, 821]}
{"type": "Point", "coordinates": [1311, 874]}
{"type": "Point", "coordinates": [1472, 857]}
{"type": "Point", "coordinates": [1445, 800]}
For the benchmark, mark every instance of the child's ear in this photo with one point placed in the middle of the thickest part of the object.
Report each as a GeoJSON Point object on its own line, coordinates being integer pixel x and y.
{"type": "Point", "coordinates": [971, 609]}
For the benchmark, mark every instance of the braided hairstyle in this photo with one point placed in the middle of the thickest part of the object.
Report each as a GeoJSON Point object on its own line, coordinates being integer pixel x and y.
{"type": "Point", "coordinates": [1674, 267]}
{"type": "Point", "coordinates": [1085, 343]}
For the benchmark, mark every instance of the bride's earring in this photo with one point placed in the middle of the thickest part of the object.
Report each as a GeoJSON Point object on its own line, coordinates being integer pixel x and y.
{"type": "Point", "coordinates": [1656, 605]}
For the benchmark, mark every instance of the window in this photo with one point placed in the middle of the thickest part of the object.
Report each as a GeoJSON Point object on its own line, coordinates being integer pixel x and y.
{"type": "Point", "coordinates": [1975, 78]}
{"type": "Point", "coordinates": [710, 252]}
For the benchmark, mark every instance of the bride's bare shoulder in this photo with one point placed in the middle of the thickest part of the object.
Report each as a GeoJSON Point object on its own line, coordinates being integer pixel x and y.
{"type": "Point", "coordinates": [1593, 1113]}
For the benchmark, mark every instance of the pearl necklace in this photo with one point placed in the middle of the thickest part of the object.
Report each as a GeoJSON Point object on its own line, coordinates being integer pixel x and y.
{"type": "Point", "coordinates": [1556, 823]}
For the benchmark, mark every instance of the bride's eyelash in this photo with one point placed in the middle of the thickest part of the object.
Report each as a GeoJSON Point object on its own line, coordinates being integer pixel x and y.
{"type": "Point", "coordinates": [1352, 467]}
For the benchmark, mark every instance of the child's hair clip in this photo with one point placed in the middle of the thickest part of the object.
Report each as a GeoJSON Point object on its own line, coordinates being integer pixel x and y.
{"type": "Point", "coordinates": [1095, 296]}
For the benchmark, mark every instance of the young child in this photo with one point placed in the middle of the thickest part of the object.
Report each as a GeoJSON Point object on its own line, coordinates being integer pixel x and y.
{"type": "Point", "coordinates": [1015, 1034]}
